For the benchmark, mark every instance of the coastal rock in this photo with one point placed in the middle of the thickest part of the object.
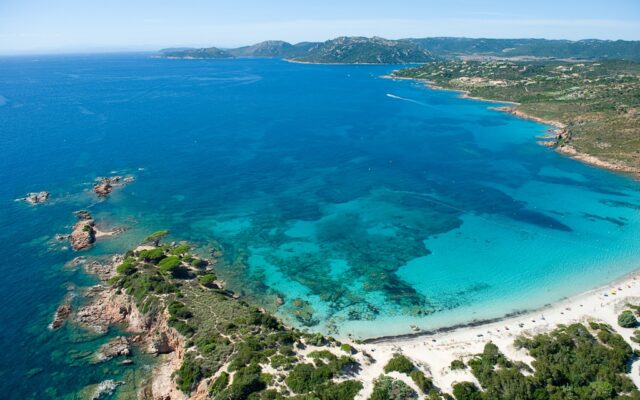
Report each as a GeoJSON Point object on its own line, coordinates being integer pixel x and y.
{"type": "Point", "coordinates": [160, 344]}
{"type": "Point", "coordinates": [109, 307]}
{"type": "Point", "coordinates": [105, 389]}
{"type": "Point", "coordinates": [116, 347]}
{"type": "Point", "coordinates": [83, 234]}
{"type": "Point", "coordinates": [102, 189]}
{"type": "Point", "coordinates": [60, 316]}
{"type": "Point", "coordinates": [106, 185]}
{"type": "Point", "coordinates": [105, 309]}
{"type": "Point", "coordinates": [104, 269]}
{"type": "Point", "coordinates": [62, 237]}
{"type": "Point", "coordinates": [34, 198]}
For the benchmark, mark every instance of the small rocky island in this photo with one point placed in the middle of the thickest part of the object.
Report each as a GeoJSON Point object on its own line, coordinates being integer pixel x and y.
{"type": "Point", "coordinates": [34, 198]}
{"type": "Point", "coordinates": [105, 185]}
{"type": "Point", "coordinates": [84, 233]}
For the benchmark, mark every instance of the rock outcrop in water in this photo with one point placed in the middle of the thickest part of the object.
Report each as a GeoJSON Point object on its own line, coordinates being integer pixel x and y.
{"type": "Point", "coordinates": [105, 389]}
{"type": "Point", "coordinates": [106, 185]}
{"type": "Point", "coordinates": [116, 347]}
{"type": "Point", "coordinates": [83, 234]}
{"type": "Point", "coordinates": [36, 198]}
{"type": "Point", "coordinates": [60, 316]}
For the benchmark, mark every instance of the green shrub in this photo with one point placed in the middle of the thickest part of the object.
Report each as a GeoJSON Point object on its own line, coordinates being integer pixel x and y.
{"type": "Point", "coordinates": [347, 348]}
{"type": "Point", "coordinates": [249, 351]}
{"type": "Point", "coordinates": [184, 328]}
{"type": "Point", "coordinates": [425, 384]}
{"type": "Point", "coordinates": [155, 237]}
{"type": "Point", "coordinates": [387, 388]}
{"type": "Point", "coordinates": [189, 374]}
{"type": "Point", "coordinates": [323, 355]}
{"type": "Point", "coordinates": [127, 267]}
{"type": "Point", "coordinates": [305, 378]}
{"type": "Point", "coordinates": [181, 249]}
{"type": "Point", "coordinates": [198, 263]}
{"type": "Point", "coordinates": [627, 320]}
{"type": "Point", "coordinates": [316, 340]}
{"type": "Point", "coordinates": [153, 255]}
{"type": "Point", "coordinates": [246, 381]}
{"type": "Point", "coordinates": [221, 383]}
{"type": "Point", "coordinates": [346, 390]}
{"type": "Point", "coordinates": [569, 363]}
{"type": "Point", "coordinates": [282, 361]}
{"type": "Point", "coordinates": [179, 310]}
{"type": "Point", "coordinates": [466, 391]}
{"type": "Point", "coordinates": [458, 364]}
{"type": "Point", "coordinates": [400, 364]}
{"type": "Point", "coordinates": [207, 280]}
{"type": "Point", "coordinates": [169, 264]}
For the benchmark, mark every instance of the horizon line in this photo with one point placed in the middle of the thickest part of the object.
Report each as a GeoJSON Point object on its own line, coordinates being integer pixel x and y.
{"type": "Point", "coordinates": [115, 49]}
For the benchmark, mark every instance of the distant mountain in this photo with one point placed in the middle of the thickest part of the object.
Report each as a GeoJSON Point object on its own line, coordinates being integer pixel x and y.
{"type": "Point", "coordinates": [353, 50]}
{"type": "Point", "coordinates": [449, 47]}
{"type": "Point", "coordinates": [362, 50]}
{"type": "Point", "coordinates": [272, 49]}
{"type": "Point", "coordinates": [209, 52]}
{"type": "Point", "coordinates": [343, 50]}
{"type": "Point", "coordinates": [173, 49]}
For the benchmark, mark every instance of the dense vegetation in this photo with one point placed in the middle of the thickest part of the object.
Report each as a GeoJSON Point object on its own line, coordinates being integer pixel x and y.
{"type": "Point", "coordinates": [222, 332]}
{"type": "Point", "coordinates": [627, 319]}
{"type": "Point", "coordinates": [599, 102]}
{"type": "Point", "coordinates": [572, 362]}
{"type": "Point", "coordinates": [387, 388]}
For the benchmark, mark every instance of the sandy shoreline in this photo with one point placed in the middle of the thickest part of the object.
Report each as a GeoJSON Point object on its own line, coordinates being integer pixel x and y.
{"type": "Point", "coordinates": [436, 350]}
{"type": "Point", "coordinates": [560, 129]}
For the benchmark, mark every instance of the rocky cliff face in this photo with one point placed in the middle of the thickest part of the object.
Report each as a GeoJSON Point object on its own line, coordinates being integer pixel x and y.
{"type": "Point", "coordinates": [151, 333]}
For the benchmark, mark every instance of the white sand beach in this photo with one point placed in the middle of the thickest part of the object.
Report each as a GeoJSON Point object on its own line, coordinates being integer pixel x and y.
{"type": "Point", "coordinates": [434, 353]}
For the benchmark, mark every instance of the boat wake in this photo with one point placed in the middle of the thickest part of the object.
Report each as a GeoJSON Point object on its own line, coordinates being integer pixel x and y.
{"type": "Point", "coordinates": [393, 96]}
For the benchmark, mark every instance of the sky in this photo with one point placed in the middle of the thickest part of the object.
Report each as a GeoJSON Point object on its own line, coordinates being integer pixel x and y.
{"type": "Point", "coordinates": [32, 26]}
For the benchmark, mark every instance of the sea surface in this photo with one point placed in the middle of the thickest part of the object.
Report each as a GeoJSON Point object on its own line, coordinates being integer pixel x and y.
{"type": "Point", "coordinates": [365, 204]}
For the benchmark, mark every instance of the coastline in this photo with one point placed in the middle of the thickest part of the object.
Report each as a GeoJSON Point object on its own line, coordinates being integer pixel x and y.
{"type": "Point", "coordinates": [433, 350]}
{"type": "Point", "coordinates": [559, 129]}
{"type": "Point", "coordinates": [439, 348]}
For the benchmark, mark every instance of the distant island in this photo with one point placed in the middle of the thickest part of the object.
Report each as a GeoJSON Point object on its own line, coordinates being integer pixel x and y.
{"type": "Point", "coordinates": [342, 50]}
{"type": "Point", "coordinates": [376, 50]}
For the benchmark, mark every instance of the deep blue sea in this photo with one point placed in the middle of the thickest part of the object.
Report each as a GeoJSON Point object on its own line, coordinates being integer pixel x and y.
{"type": "Point", "coordinates": [366, 204]}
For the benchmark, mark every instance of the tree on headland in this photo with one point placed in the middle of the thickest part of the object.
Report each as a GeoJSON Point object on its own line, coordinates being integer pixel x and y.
{"type": "Point", "coordinates": [156, 237]}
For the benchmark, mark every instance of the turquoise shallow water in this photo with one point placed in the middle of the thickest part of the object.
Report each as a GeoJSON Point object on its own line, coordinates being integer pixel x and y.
{"type": "Point", "coordinates": [365, 204]}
